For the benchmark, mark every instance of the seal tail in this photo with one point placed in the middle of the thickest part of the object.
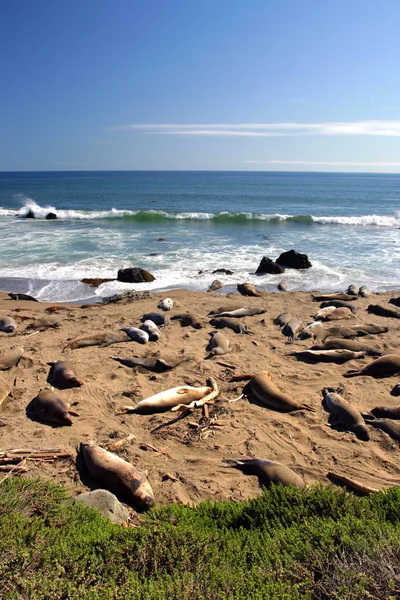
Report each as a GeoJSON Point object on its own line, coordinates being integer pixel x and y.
{"type": "Point", "coordinates": [307, 407]}
{"type": "Point", "coordinates": [352, 373]}
{"type": "Point", "coordinates": [244, 377]}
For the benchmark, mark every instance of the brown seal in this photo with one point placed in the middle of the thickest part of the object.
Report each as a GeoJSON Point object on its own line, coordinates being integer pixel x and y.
{"type": "Point", "coordinates": [98, 339]}
{"type": "Point", "coordinates": [248, 289]}
{"type": "Point", "coordinates": [338, 314]}
{"type": "Point", "coordinates": [46, 322]}
{"type": "Point", "coordinates": [354, 345]}
{"type": "Point", "coordinates": [219, 345]}
{"type": "Point", "coordinates": [236, 326]}
{"type": "Point", "coordinates": [63, 375]}
{"type": "Point", "coordinates": [345, 414]}
{"type": "Point", "coordinates": [389, 426]}
{"type": "Point", "coordinates": [11, 358]}
{"type": "Point", "coordinates": [335, 296]}
{"type": "Point", "coordinates": [388, 412]}
{"type": "Point", "coordinates": [264, 390]}
{"type": "Point", "coordinates": [49, 406]}
{"type": "Point", "coordinates": [118, 476]}
{"type": "Point", "coordinates": [188, 320]}
{"type": "Point", "coordinates": [338, 355]}
{"type": "Point", "coordinates": [158, 365]}
{"type": "Point", "coordinates": [282, 319]}
{"type": "Point", "coordinates": [245, 311]}
{"type": "Point", "coordinates": [352, 331]}
{"type": "Point", "coordinates": [267, 471]}
{"type": "Point", "coordinates": [385, 366]}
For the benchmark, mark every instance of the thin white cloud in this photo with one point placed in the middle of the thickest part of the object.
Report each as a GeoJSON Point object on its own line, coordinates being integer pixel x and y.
{"type": "Point", "coordinates": [330, 128]}
{"type": "Point", "coordinates": [318, 163]}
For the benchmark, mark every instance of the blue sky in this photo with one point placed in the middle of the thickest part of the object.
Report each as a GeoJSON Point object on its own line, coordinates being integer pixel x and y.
{"type": "Point", "coordinates": [200, 84]}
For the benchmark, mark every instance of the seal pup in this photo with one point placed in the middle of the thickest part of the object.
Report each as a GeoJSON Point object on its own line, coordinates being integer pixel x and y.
{"type": "Point", "coordinates": [338, 314]}
{"type": "Point", "coordinates": [188, 320]}
{"type": "Point", "coordinates": [46, 322]}
{"type": "Point", "coordinates": [11, 358]}
{"type": "Point", "coordinates": [324, 312]}
{"type": "Point", "coordinates": [395, 390]}
{"type": "Point", "coordinates": [158, 318]}
{"type": "Point", "coordinates": [389, 426]}
{"type": "Point", "coordinates": [247, 289]}
{"type": "Point", "coordinates": [174, 398]}
{"type": "Point", "coordinates": [352, 290]}
{"type": "Point", "coordinates": [245, 311]}
{"type": "Point", "coordinates": [267, 471]}
{"type": "Point", "coordinates": [338, 356]}
{"type": "Point", "coordinates": [389, 412]}
{"type": "Point", "coordinates": [158, 365]}
{"type": "Point", "coordinates": [62, 375]}
{"type": "Point", "coordinates": [118, 476]}
{"type": "Point", "coordinates": [340, 304]}
{"type": "Point", "coordinates": [381, 311]}
{"type": "Point", "coordinates": [137, 335]}
{"type": "Point", "coordinates": [152, 330]}
{"type": "Point", "coordinates": [49, 406]}
{"type": "Point", "coordinates": [264, 390]}
{"type": "Point", "coordinates": [364, 291]}
{"type": "Point", "coordinates": [236, 326]}
{"type": "Point", "coordinates": [166, 304]}
{"type": "Point", "coordinates": [335, 296]}
{"type": "Point", "coordinates": [7, 324]}
{"type": "Point", "coordinates": [282, 286]}
{"type": "Point", "coordinates": [218, 345]}
{"type": "Point", "coordinates": [345, 414]}
{"type": "Point", "coordinates": [385, 366]}
{"type": "Point", "coordinates": [333, 343]}
{"type": "Point", "coordinates": [292, 328]}
{"type": "Point", "coordinates": [98, 339]}
{"type": "Point", "coordinates": [313, 330]}
{"type": "Point", "coordinates": [22, 297]}
{"type": "Point", "coordinates": [282, 319]}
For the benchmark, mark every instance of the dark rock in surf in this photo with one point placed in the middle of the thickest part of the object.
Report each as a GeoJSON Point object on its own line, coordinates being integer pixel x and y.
{"type": "Point", "coordinates": [134, 275]}
{"type": "Point", "coordinates": [294, 260]}
{"type": "Point", "coordinates": [269, 266]}
{"type": "Point", "coordinates": [222, 271]}
{"type": "Point", "coordinates": [95, 281]}
{"type": "Point", "coordinates": [51, 216]}
{"type": "Point", "coordinates": [30, 215]}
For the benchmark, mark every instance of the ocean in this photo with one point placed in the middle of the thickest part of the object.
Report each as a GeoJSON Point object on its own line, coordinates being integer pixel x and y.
{"type": "Point", "coordinates": [348, 225]}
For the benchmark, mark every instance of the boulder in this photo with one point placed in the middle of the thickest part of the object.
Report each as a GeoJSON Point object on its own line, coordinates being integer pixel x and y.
{"type": "Point", "coordinates": [30, 214]}
{"type": "Point", "coordinates": [51, 216]}
{"type": "Point", "coordinates": [95, 281]}
{"type": "Point", "coordinates": [130, 296]}
{"type": "Point", "coordinates": [134, 275]}
{"type": "Point", "coordinates": [222, 271]}
{"type": "Point", "coordinates": [269, 266]}
{"type": "Point", "coordinates": [106, 503]}
{"type": "Point", "coordinates": [294, 260]}
{"type": "Point", "coordinates": [216, 285]}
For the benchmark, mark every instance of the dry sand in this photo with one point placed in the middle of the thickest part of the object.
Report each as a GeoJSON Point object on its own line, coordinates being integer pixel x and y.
{"type": "Point", "coordinates": [187, 466]}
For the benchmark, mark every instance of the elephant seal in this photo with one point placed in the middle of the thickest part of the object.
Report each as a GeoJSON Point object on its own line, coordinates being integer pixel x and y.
{"type": "Point", "coordinates": [237, 327]}
{"type": "Point", "coordinates": [324, 312]}
{"type": "Point", "coordinates": [340, 304]}
{"type": "Point", "coordinates": [118, 476]}
{"type": "Point", "coordinates": [381, 311]}
{"type": "Point", "coordinates": [282, 319]}
{"type": "Point", "coordinates": [188, 320]}
{"type": "Point", "coordinates": [166, 304]}
{"type": "Point", "coordinates": [247, 289]}
{"type": "Point", "coordinates": [364, 291]}
{"type": "Point", "coordinates": [282, 286]}
{"type": "Point", "coordinates": [245, 311]}
{"type": "Point", "coordinates": [395, 301]}
{"type": "Point", "coordinates": [395, 390]}
{"type": "Point", "coordinates": [338, 314]}
{"type": "Point", "coordinates": [224, 308]}
{"type": "Point", "coordinates": [267, 471]}
{"type": "Point", "coordinates": [385, 366]}
{"type": "Point", "coordinates": [158, 318]}
{"type": "Point", "coordinates": [335, 296]}
{"type": "Point", "coordinates": [158, 365]}
{"type": "Point", "coordinates": [46, 322]}
{"type": "Point", "coordinates": [152, 330]}
{"type": "Point", "coordinates": [7, 324]}
{"type": "Point", "coordinates": [48, 406]}
{"type": "Point", "coordinates": [392, 428]}
{"type": "Point", "coordinates": [137, 335]}
{"type": "Point", "coordinates": [338, 356]}
{"type": "Point", "coordinates": [389, 412]}
{"type": "Point", "coordinates": [265, 391]}
{"type": "Point", "coordinates": [22, 297]}
{"type": "Point", "coordinates": [62, 375]}
{"type": "Point", "coordinates": [218, 345]}
{"type": "Point", "coordinates": [352, 290]}
{"type": "Point", "coordinates": [313, 330]}
{"type": "Point", "coordinates": [352, 331]}
{"type": "Point", "coordinates": [11, 358]}
{"type": "Point", "coordinates": [98, 339]}
{"type": "Point", "coordinates": [292, 328]}
{"type": "Point", "coordinates": [354, 345]}
{"type": "Point", "coordinates": [345, 414]}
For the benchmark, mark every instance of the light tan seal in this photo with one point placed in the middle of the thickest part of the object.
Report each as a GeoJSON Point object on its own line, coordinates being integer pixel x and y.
{"type": "Point", "coordinates": [338, 314]}
{"type": "Point", "coordinates": [245, 311]}
{"type": "Point", "coordinates": [248, 289]}
{"type": "Point", "coordinates": [338, 355]}
{"type": "Point", "coordinates": [188, 320]}
{"type": "Point", "coordinates": [219, 345]}
{"type": "Point", "coordinates": [343, 413]}
{"type": "Point", "coordinates": [98, 339]}
{"type": "Point", "coordinates": [46, 322]}
{"type": "Point", "coordinates": [11, 358]}
{"type": "Point", "coordinates": [49, 406]}
{"type": "Point", "coordinates": [385, 366]}
{"type": "Point", "coordinates": [354, 345]}
{"type": "Point", "coordinates": [292, 328]}
{"type": "Point", "coordinates": [264, 390]}
{"type": "Point", "coordinates": [334, 296]}
{"type": "Point", "coordinates": [267, 471]}
{"type": "Point", "coordinates": [118, 476]}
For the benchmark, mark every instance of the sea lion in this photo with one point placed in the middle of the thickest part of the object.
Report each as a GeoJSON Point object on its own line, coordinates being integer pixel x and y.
{"type": "Point", "coordinates": [7, 324]}
{"type": "Point", "coordinates": [352, 331]}
{"type": "Point", "coordinates": [385, 366]}
{"type": "Point", "coordinates": [334, 343]}
{"type": "Point", "coordinates": [158, 318]}
{"type": "Point", "coordinates": [267, 471]}
{"type": "Point", "coordinates": [245, 311]}
{"type": "Point", "coordinates": [345, 414]}
{"type": "Point", "coordinates": [392, 428]}
{"type": "Point", "coordinates": [188, 319]}
{"type": "Point", "coordinates": [219, 345]}
{"type": "Point", "coordinates": [62, 375]}
{"type": "Point", "coordinates": [152, 330]}
{"type": "Point", "coordinates": [389, 412]}
{"type": "Point", "coordinates": [395, 390]}
{"type": "Point", "coordinates": [292, 328]}
{"type": "Point", "coordinates": [158, 365]}
{"type": "Point", "coordinates": [282, 319]}
{"type": "Point", "coordinates": [236, 326]}
{"type": "Point", "coordinates": [247, 289]}
{"type": "Point", "coordinates": [137, 335]}
{"type": "Point", "coordinates": [324, 312]}
{"type": "Point", "coordinates": [352, 290]}
{"type": "Point", "coordinates": [395, 301]}
{"type": "Point", "coordinates": [339, 314]}
{"type": "Point", "coordinates": [22, 297]}
{"type": "Point", "coordinates": [173, 398]}
{"type": "Point", "coordinates": [340, 304]}
{"type": "Point", "coordinates": [282, 286]}
{"type": "Point", "coordinates": [118, 476]}
{"type": "Point", "coordinates": [224, 308]}
{"type": "Point", "coordinates": [166, 304]}
{"type": "Point", "coordinates": [381, 311]}
{"type": "Point", "coordinates": [46, 322]}
{"type": "Point", "coordinates": [11, 358]}
{"type": "Point", "coordinates": [49, 406]}
{"type": "Point", "coordinates": [338, 356]}
{"type": "Point", "coordinates": [265, 391]}
{"type": "Point", "coordinates": [335, 296]}
{"type": "Point", "coordinates": [313, 330]}
{"type": "Point", "coordinates": [98, 339]}
{"type": "Point", "coordinates": [364, 291]}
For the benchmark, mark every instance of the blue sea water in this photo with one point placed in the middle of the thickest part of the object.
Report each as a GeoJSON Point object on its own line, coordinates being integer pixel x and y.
{"type": "Point", "coordinates": [348, 224]}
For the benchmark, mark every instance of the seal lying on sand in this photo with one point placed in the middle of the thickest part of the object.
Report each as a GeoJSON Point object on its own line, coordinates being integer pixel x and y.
{"type": "Point", "coordinates": [364, 291]}
{"type": "Point", "coordinates": [385, 366]}
{"type": "Point", "coordinates": [381, 311]}
{"type": "Point", "coordinates": [46, 322]}
{"type": "Point", "coordinates": [267, 471]}
{"type": "Point", "coordinates": [247, 289]}
{"type": "Point", "coordinates": [158, 365]}
{"type": "Point", "coordinates": [166, 304]}
{"type": "Point", "coordinates": [264, 390]}
{"type": "Point", "coordinates": [282, 319]}
{"type": "Point", "coordinates": [48, 406]}
{"type": "Point", "coordinates": [246, 311]}
{"type": "Point", "coordinates": [292, 328]}
{"type": "Point", "coordinates": [338, 314]}
{"type": "Point", "coordinates": [7, 324]}
{"type": "Point", "coordinates": [137, 335]}
{"type": "Point", "coordinates": [63, 375]}
{"type": "Point", "coordinates": [99, 339]}
{"type": "Point", "coordinates": [338, 356]}
{"type": "Point", "coordinates": [352, 290]}
{"type": "Point", "coordinates": [345, 414]}
{"type": "Point", "coordinates": [152, 330]}
{"type": "Point", "coordinates": [392, 428]}
{"type": "Point", "coordinates": [388, 412]}
{"type": "Point", "coordinates": [396, 390]}
{"type": "Point", "coordinates": [340, 304]}
{"type": "Point", "coordinates": [22, 297]}
{"type": "Point", "coordinates": [219, 345]}
{"type": "Point", "coordinates": [335, 296]}
{"type": "Point", "coordinates": [314, 330]}
{"type": "Point", "coordinates": [352, 331]}
{"type": "Point", "coordinates": [354, 345]}
{"type": "Point", "coordinates": [224, 308]}
{"type": "Point", "coordinates": [11, 358]}
{"type": "Point", "coordinates": [237, 327]}
{"type": "Point", "coordinates": [158, 318]}
{"type": "Point", "coordinates": [188, 320]}
{"type": "Point", "coordinates": [118, 476]}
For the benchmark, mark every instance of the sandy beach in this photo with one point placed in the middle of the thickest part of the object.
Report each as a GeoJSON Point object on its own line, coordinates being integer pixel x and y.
{"type": "Point", "coordinates": [183, 459]}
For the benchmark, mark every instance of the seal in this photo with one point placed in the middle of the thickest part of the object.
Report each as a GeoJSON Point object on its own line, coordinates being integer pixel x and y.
{"type": "Point", "coordinates": [282, 286]}
{"type": "Point", "coordinates": [188, 319]}
{"type": "Point", "coordinates": [224, 308]}
{"type": "Point", "coordinates": [267, 471]}
{"type": "Point", "coordinates": [392, 428]}
{"type": "Point", "coordinates": [247, 289]}
{"type": "Point", "coordinates": [354, 331]}
{"type": "Point", "coordinates": [313, 330]}
{"type": "Point", "coordinates": [158, 365]}
{"type": "Point", "coordinates": [396, 390]}
{"type": "Point", "coordinates": [340, 304]}
{"type": "Point", "coordinates": [225, 323]}
{"type": "Point", "coordinates": [219, 345]}
{"type": "Point", "coordinates": [62, 375]}
{"type": "Point", "coordinates": [7, 324]}
{"type": "Point", "coordinates": [352, 290]}
{"type": "Point", "coordinates": [152, 330]}
{"type": "Point", "coordinates": [385, 366]}
{"type": "Point", "coordinates": [11, 358]}
{"type": "Point", "coordinates": [158, 318]}
{"type": "Point", "coordinates": [292, 328]}
{"type": "Point", "coordinates": [324, 312]}
{"type": "Point", "coordinates": [46, 322]}
{"type": "Point", "coordinates": [98, 339]}
{"type": "Point", "coordinates": [354, 345]}
{"type": "Point", "coordinates": [364, 291]}
{"type": "Point", "coordinates": [118, 476]}
{"type": "Point", "coordinates": [166, 304]}
{"type": "Point", "coordinates": [381, 311]}
{"type": "Point", "coordinates": [172, 399]}
{"type": "Point", "coordinates": [345, 414]}
{"type": "Point", "coordinates": [335, 296]}
{"type": "Point", "coordinates": [339, 314]}
{"type": "Point", "coordinates": [389, 412]}
{"type": "Point", "coordinates": [395, 301]}
{"type": "Point", "coordinates": [264, 390]}
{"type": "Point", "coordinates": [338, 356]}
{"type": "Point", "coordinates": [282, 319]}
{"type": "Point", "coordinates": [137, 335]}
{"type": "Point", "coordinates": [245, 311]}
{"type": "Point", "coordinates": [48, 406]}
{"type": "Point", "coordinates": [22, 297]}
